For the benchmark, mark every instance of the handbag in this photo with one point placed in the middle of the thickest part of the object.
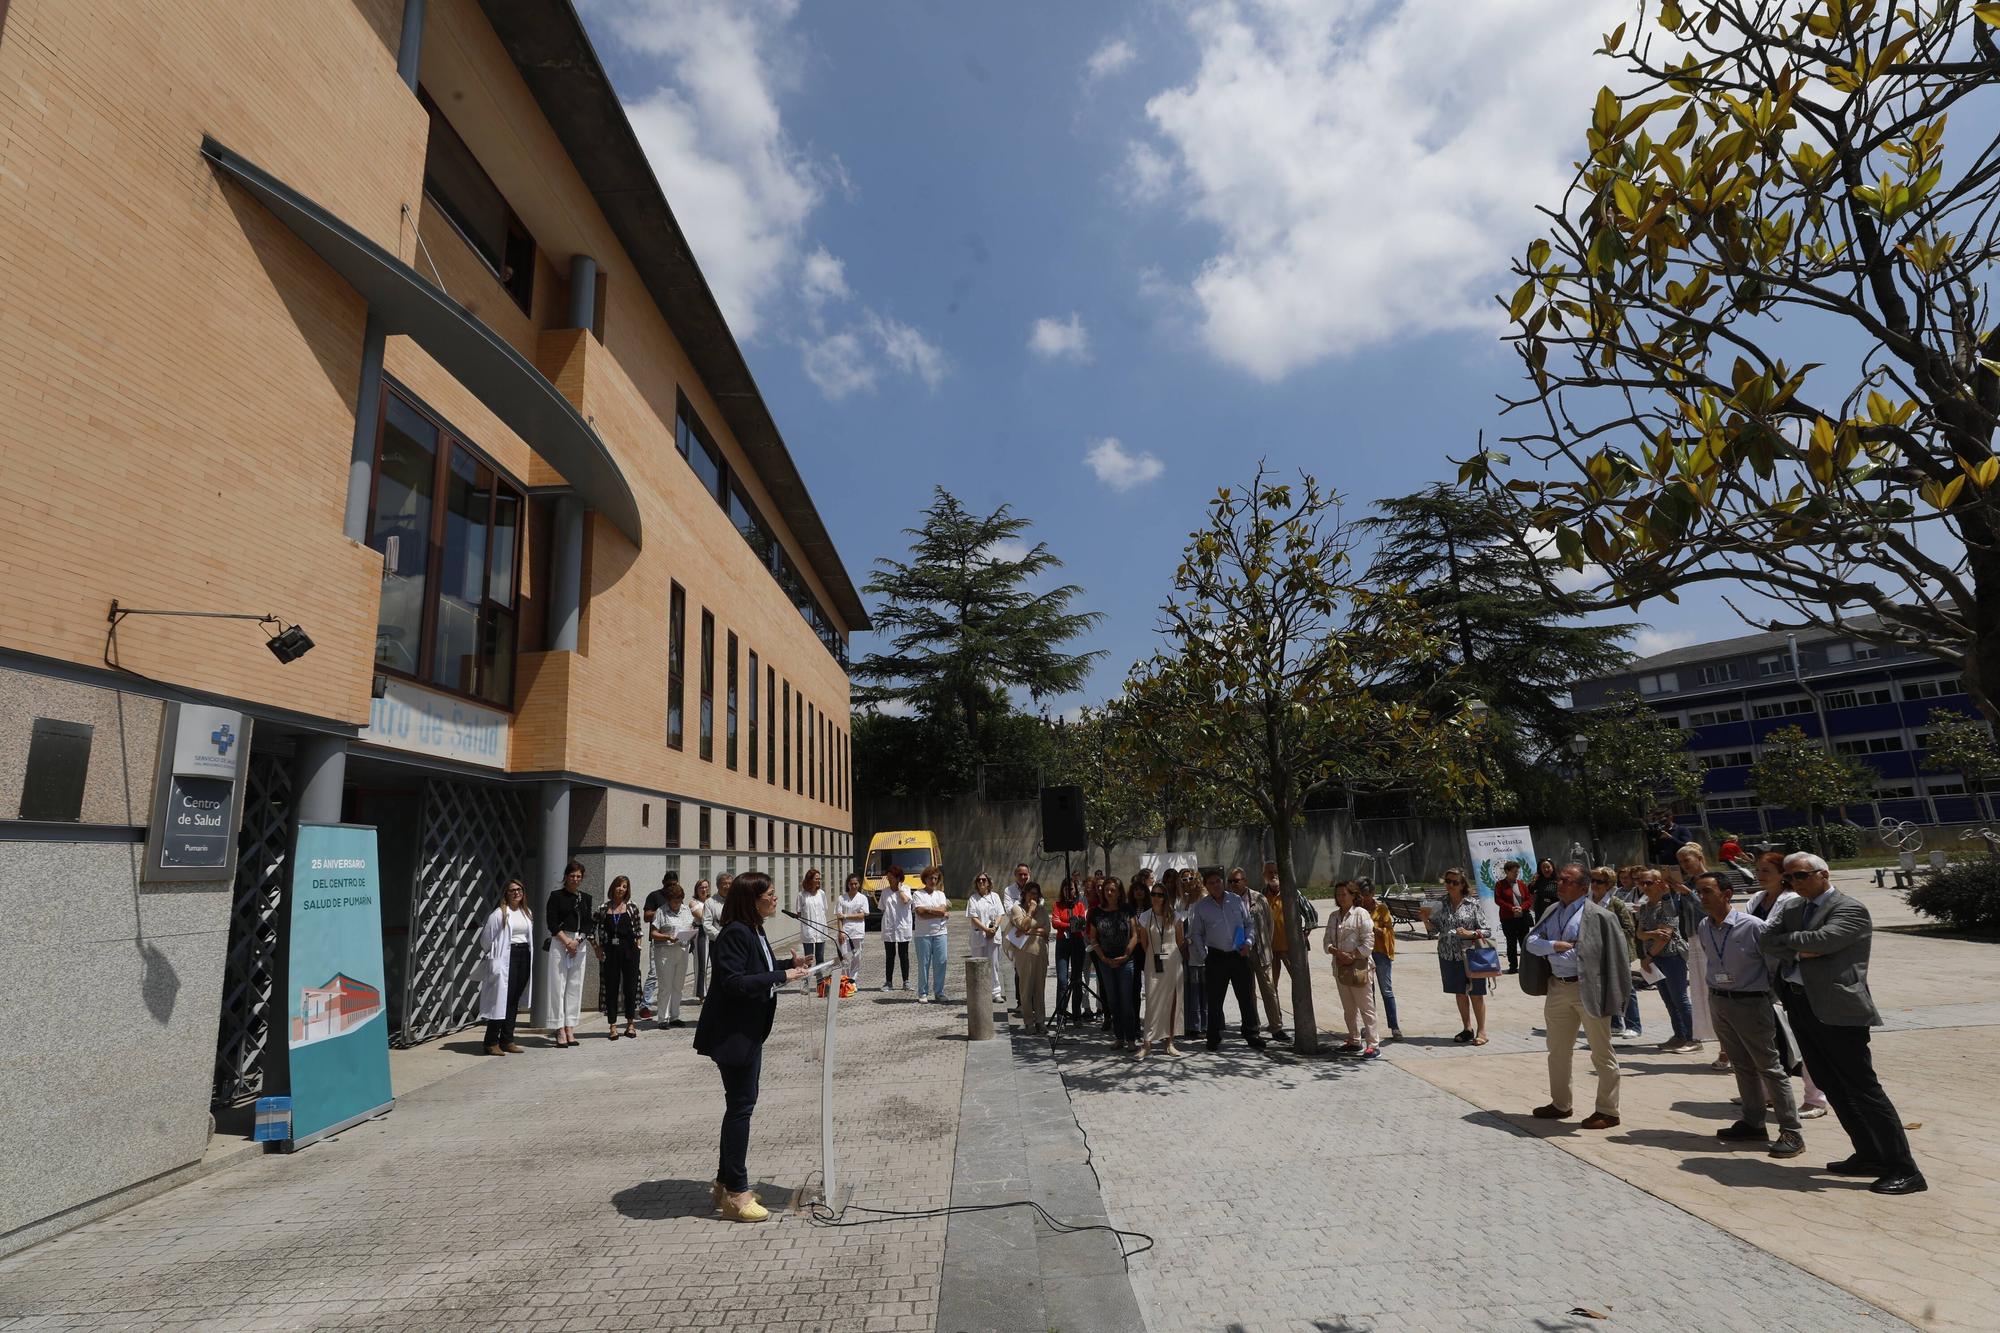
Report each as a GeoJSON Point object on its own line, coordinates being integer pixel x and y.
{"type": "Point", "coordinates": [1535, 973]}
{"type": "Point", "coordinates": [1352, 974]}
{"type": "Point", "coordinates": [1482, 961]}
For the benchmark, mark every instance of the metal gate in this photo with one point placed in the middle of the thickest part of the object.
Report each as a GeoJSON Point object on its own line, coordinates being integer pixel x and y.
{"type": "Point", "coordinates": [474, 837]}
{"type": "Point", "coordinates": [262, 845]}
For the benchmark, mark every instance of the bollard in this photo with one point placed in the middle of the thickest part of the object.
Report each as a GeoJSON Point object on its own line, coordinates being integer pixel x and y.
{"type": "Point", "coordinates": [979, 999]}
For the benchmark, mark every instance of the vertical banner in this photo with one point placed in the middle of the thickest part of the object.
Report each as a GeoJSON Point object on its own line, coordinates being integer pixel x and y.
{"type": "Point", "coordinates": [333, 1058]}
{"type": "Point", "coordinates": [1489, 850]}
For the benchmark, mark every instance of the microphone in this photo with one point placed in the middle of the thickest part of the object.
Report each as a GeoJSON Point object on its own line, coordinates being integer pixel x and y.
{"type": "Point", "coordinates": [838, 943]}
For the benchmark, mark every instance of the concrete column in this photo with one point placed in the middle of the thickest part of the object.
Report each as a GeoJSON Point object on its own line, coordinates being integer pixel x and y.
{"type": "Point", "coordinates": [566, 576]}
{"type": "Point", "coordinates": [410, 49]}
{"type": "Point", "coordinates": [367, 413]}
{"type": "Point", "coordinates": [979, 999]}
{"type": "Point", "coordinates": [552, 853]}
{"type": "Point", "coordinates": [582, 291]}
{"type": "Point", "coordinates": [319, 771]}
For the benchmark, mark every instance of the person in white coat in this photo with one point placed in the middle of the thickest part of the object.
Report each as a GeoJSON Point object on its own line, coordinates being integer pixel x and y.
{"type": "Point", "coordinates": [673, 932]}
{"type": "Point", "coordinates": [508, 944]}
{"type": "Point", "coordinates": [707, 909]}
{"type": "Point", "coordinates": [898, 928]}
{"type": "Point", "coordinates": [813, 931]}
{"type": "Point", "coordinates": [853, 912]}
{"type": "Point", "coordinates": [987, 911]}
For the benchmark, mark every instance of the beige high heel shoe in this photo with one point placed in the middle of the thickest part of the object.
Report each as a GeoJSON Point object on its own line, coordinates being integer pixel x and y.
{"type": "Point", "coordinates": [743, 1208]}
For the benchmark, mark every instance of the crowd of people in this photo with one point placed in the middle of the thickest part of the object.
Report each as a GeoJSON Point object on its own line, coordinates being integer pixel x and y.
{"type": "Point", "coordinates": [1777, 984]}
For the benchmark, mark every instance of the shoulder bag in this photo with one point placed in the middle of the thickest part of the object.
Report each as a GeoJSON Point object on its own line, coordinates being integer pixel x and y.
{"type": "Point", "coordinates": [1535, 973]}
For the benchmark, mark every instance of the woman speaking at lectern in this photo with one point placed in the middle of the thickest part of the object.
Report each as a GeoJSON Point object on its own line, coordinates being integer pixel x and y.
{"type": "Point", "coordinates": [735, 1020]}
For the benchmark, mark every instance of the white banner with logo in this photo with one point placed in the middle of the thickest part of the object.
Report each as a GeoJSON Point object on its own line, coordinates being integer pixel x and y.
{"type": "Point", "coordinates": [1489, 850]}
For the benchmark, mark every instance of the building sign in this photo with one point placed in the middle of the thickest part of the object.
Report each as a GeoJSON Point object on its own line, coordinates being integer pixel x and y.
{"type": "Point", "coordinates": [197, 792]}
{"type": "Point", "coordinates": [333, 1063]}
{"type": "Point", "coordinates": [408, 717]}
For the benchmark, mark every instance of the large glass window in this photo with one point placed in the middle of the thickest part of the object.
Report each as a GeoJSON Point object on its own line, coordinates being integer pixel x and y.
{"type": "Point", "coordinates": [700, 452]}
{"type": "Point", "coordinates": [468, 199]}
{"type": "Point", "coordinates": [752, 682]}
{"type": "Point", "coordinates": [729, 706]}
{"type": "Point", "coordinates": [788, 738]}
{"type": "Point", "coordinates": [707, 686]}
{"type": "Point", "coordinates": [676, 664]}
{"type": "Point", "coordinates": [812, 769]}
{"type": "Point", "coordinates": [771, 732]}
{"type": "Point", "coordinates": [449, 530]}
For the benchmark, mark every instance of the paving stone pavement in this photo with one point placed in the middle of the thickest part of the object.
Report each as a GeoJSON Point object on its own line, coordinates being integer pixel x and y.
{"type": "Point", "coordinates": [553, 1190]}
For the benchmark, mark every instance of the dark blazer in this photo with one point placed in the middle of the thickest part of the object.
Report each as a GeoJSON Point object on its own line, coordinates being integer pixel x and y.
{"type": "Point", "coordinates": [1836, 981]}
{"type": "Point", "coordinates": [737, 1015]}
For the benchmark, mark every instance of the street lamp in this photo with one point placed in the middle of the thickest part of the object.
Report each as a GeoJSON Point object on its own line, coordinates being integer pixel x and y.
{"type": "Point", "coordinates": [1479, 710]}
{"type": "Point", "coordinates": [1579, 745]}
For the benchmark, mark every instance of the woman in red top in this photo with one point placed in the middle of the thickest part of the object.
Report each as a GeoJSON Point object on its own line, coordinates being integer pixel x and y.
{"type": "Point", "coordinates": [1068, 919]}
{"type": "Point", "coordinates": [1517, 916]}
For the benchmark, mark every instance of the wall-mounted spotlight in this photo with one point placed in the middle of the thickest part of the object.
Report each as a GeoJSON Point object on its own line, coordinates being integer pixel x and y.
{"type": "Point", "coordinates": [288, 643]}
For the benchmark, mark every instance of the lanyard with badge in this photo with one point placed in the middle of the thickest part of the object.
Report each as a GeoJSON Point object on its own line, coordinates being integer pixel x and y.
{"type": "Point", "coordinates": [1717, 977]}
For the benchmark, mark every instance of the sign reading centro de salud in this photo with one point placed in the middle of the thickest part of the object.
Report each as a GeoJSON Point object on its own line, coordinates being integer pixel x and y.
{"type": "Point", "coordinates": [420, 721]}
{"type": "Point", "coordinates": [192, 832]}
{"type": "Point", "coordinates": [333, 1061]}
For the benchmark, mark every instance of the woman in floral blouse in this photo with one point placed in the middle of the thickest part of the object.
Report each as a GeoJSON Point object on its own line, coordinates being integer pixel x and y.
{"type": "Point", "coordinates": [619, 928]}
{"type": "Point", "coordinates": [1460, 926]}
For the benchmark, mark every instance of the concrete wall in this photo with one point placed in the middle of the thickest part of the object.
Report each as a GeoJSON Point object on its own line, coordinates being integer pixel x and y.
{"type": "Point", "coordinates": [993, 835]}
{"type": "Point", "coordinates": [113, 988]}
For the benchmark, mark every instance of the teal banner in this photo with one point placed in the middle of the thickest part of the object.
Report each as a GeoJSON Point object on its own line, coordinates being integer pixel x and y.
{"type": "Point", "coordinates": [337, 1020]}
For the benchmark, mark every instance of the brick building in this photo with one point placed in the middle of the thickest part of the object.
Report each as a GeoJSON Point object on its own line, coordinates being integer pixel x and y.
{"type": "Point", "coordinates": [368, 315]}
{"type": "Point", "coordinates": [1871, 702]}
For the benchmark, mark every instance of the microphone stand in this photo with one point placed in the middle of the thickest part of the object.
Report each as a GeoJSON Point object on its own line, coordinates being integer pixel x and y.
{"type": "Point", "coordinates": [830, 1193]}
{"type": "Point", "coordinates": [839, 945]}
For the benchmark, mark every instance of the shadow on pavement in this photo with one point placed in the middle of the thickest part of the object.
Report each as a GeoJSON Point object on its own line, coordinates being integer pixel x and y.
{"type": "Point", "coordinates": [1755, 1169]}
{"type": "Point", "coordinates": [655, 1200]}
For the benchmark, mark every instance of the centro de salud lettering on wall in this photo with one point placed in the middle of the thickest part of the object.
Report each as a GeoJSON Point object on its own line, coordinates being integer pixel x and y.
{"type": "Point", "coordinates": [412, 719]}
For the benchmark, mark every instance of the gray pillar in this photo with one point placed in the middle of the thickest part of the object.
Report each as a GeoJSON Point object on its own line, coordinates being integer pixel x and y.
{"type": "Point", "coordinates": [582, 291]}
{"type": "Point", "coordinates": [319, 770]}
{"type": "Point", "coordinates": [367, 412]}
{"type": "Point", "coordinates": [566, 576]}
{"type": "Point", "coordinates": [410, 50]}
{"type": "Point", "coordinates": [551, 855]}
{"type": "Point", "coordinates": [979, 999]}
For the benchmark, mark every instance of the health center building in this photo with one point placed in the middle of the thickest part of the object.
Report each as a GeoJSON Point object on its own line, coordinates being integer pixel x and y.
{"type": "Point", "coordinates": [363, 329]}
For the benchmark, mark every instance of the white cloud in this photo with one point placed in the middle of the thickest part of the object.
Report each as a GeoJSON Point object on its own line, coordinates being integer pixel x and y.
{"type": "Point", "coordinates": [908, 350]}
{"type": "Point", "coordinates": [1371, 167]}
{"type": "Point", "coordinates": [822, 279]}
{"type": "Point", "coordinates": [1005, 550]}
{"type": "Point", "coordinates": [1649, 641]}
{"type": "Point", "coordinates": [1111, 58]}
{"type": "Point", "coordinates": [1119, 468]}
{"type": "Point", "coordinates": [1148, 174]}
{"type": "Point", "coordinates": [1052, 338]}
{"type": "Point", "coordinates": [839, 365]}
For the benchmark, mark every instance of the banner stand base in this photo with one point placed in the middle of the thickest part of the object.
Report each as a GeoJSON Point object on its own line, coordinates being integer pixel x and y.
{"type": "Point", "coordinates": [293, 1145]}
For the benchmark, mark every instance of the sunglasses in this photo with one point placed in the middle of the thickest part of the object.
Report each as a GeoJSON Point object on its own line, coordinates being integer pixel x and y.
{"type": "Point", "coordinates": [1802, 874]}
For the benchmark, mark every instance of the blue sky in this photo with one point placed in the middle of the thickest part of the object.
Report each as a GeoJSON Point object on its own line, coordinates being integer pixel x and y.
{"type": "Point", "coordinates": [970, 244]}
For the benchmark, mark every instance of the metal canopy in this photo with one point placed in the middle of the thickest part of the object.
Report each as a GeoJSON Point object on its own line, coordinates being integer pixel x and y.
{"type": "Point", "coordinates": [473, 354]}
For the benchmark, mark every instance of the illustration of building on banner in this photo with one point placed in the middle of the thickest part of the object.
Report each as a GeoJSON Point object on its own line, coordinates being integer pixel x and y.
{"type": "Point", "coordinates": [338, 1006]}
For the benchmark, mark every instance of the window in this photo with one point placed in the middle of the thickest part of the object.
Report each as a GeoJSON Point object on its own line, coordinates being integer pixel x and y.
{"type": "Point", "coordinates": [673, 823]}
{"type": "Point", "coordinates": [750, 828]}
{"type": "Point", "coordinates": [1932, 689]}
{"type": "Point", "coordinates": [1670, 720]}
{"type": "Point", "coordinates": [468, 199]}
{"type": "Point", "coordinates": [1934, 787]}
{"type": "Point", "coordinates": [1837, 653]}
{"type": "Point", "coordinates": [1867, 652]}
{"type": "Point", "coordinates": [770, 733]}
{"type": "Point", "coordinates": [1724, 759]}
{"type": "Point", "coordinates": [788, 838]}
{"type": "Point", "coordinates": [1890, 791]}
{"type": "Point", "coordinates": [788, 743]}
{"type": "Point", "coordinates": [1666, 682]}
{"type": "Point", "coordinates": [1870, 745]}
{"type": "Point", "coordinates": [729, 831]}
{"type": "Point", "coordinates": [1716, 673]}
{"type": "Point", "coordinates": [448, 527]}
{"type": "Point", "coordinates": [799, 739]}
{"type": "Point", "coordinates": [752, 681]}
{"type": "Point", "coordinates": [1859, 697]}
{"type": "Point", "coordinates": [1715, 717]}
{"type": "Point", "coordinates": [705, 829]}
{"type": "Point", "coordinates": [693, 441]}
{"type": "Point", "coordinates": [811, 769]}
{"type": "Point", "coordinates": [1781, 708]}
{"type": "Point", "coordinates": [729, 706]}
{"type": "Point", "coordinates": [707, 686]}
{"type": "Point", "coordinates": [676, 664]}
{"type": "Point", "coordinates": [1729, 802]}
{"type": "Point", "coordinates": [1778, 665]}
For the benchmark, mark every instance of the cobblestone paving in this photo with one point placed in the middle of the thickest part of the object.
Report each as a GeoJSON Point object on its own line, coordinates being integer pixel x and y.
{"type": "Point", "coordinates": [553, 1190]}
{"type": "Point", "coordinates": [1285, 1193]}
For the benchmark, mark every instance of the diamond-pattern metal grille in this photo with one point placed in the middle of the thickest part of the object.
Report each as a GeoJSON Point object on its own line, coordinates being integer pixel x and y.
{"type": "Point", "coordinates": [473, 838]}
{"type": "Point", "coordinates": [262, 845]}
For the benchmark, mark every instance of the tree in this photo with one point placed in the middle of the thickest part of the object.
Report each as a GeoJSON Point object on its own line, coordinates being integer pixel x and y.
{"type": "Point", "coordinates": [1770, 189]}
{"type": "Point", "coordinates": [1634, 763]}
{"type": "Point", "coordinates": [967, 629]}
{"type": "Point", "coordinates": [1797, 772]}
{"type": "Point", "coordinates": [1098, 753]}
{"type": "Point", "coordinates": [1269, 681]}
{"type": "Point", "coordinates": [1962, 745]}
{"type": "Point", "coordinates": [1462, 558]}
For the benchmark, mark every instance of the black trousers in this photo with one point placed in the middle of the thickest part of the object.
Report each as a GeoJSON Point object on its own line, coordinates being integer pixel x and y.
{"type": "Point", "coordinates": [1224, 972]}
{"type": "Point", "coordinates": [619, 982]}
{"type": "Point", "coordinates": [1073, 977]}
{"type": "Point", "coordinates": [1838, 1059]}
{"type": "Point", "coordinates": [1516, 929]}
{"type": "Point", "coordinates": [892, 950]}
{"type": "Point", "coordinates": [500, 1032]}
{"type": "Point", "coordinates": [739, 1102]}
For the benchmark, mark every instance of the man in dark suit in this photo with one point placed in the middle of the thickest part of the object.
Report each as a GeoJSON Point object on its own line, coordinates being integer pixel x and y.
{"type": "Point", "coordinates": [1818, 944]}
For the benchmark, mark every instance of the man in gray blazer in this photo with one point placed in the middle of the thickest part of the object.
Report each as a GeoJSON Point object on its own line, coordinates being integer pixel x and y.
{"type": "Point", "coordinates": [1590, 975]}
{"type": "Point", "coordinates": [1818, 945]}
